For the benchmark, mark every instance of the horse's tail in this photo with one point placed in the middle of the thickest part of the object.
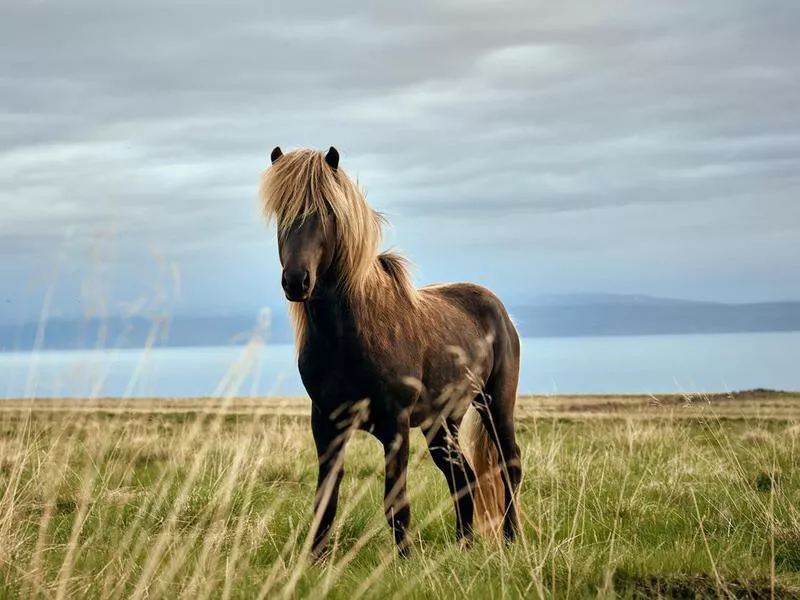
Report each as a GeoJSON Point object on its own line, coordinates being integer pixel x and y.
{"type": "Point", "coordinates": [489, 495]}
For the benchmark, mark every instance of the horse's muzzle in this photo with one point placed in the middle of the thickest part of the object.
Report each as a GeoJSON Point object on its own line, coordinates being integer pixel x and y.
{"type": "Point", "coordinates": [296, 285]}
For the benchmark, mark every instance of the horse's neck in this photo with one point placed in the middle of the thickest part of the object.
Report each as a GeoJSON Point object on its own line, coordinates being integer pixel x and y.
{"type": "Point", "coordinates": [332, 316]}
{"type": "Point", "coordinates": [328, 316]}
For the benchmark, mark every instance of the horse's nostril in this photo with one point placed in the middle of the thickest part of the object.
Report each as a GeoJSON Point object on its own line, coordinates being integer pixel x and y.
{"type": "Point", "coordinates": [296, 283]}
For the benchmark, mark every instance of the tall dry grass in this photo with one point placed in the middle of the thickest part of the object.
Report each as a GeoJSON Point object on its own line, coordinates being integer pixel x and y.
{"type": "Point", "coordinates": [212, 499]}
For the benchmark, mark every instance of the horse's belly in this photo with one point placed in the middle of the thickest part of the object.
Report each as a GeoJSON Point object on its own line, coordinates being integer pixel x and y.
{"type": "Point", "coordinates": [442, 384]}
{"type": "Point", "coordinates": [446, 396]}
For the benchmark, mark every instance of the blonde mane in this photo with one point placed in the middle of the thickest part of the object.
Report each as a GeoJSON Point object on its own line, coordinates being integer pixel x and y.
{"type": "Point", "coordinates": [300, 184]}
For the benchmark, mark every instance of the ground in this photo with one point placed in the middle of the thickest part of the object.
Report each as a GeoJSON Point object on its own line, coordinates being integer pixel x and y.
{"type": "Point", "coordinates": [191, 498]}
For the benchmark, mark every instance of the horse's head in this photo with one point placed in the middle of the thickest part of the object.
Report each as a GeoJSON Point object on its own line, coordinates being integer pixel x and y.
{"type": "Point", "coordinates": [306, 240]}
{"type": "Point", "coordinates": [326, 230]}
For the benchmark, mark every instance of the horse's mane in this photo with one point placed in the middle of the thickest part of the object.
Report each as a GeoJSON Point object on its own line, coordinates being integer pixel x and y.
{"type": "Point", "coordinates": [301, 183]}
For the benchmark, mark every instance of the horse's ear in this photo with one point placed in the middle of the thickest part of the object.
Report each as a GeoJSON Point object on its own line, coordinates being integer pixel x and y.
{"type": "Point", "coordinates": [276, 153]}
{"type": "Point", "coordinates": [332, 158]}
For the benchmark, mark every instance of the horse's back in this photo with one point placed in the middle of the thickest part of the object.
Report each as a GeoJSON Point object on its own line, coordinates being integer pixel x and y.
{"type": "Point", "coordinates": [475, 300]}
{"type": "Point", "coordinates": [482, 307]}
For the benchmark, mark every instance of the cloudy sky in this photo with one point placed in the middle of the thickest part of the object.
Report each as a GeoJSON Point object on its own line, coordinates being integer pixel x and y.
{"type": "Point", "coordinates": [641, 147]}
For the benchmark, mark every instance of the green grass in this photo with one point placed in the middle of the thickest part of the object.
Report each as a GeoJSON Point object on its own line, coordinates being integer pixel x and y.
{"type": "Point", "coordinates": [621, 497]}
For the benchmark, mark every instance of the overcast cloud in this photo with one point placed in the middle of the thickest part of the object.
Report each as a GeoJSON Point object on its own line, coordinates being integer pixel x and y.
{"type": "Point", "coordinates": [641, 147]}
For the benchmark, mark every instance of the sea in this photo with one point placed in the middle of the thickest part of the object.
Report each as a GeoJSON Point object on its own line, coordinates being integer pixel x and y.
{"type": "Point", "coordinates": [578, 365]}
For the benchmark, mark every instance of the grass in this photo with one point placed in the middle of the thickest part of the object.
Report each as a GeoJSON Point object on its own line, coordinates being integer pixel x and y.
{"type": "Point", "coordinates": [211, 498]}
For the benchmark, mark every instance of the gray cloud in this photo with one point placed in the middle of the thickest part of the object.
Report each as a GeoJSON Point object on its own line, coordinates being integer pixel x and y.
{"type": "Point", "coordinates": [640, 133]}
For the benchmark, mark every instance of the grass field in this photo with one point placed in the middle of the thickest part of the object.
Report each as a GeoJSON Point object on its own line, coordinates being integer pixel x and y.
{"type": "Point", "coordinates": [196, 498]}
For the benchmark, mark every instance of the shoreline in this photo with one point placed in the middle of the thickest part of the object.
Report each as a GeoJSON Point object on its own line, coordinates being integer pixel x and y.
{"type": "Point", "coordinates": [756, 404]}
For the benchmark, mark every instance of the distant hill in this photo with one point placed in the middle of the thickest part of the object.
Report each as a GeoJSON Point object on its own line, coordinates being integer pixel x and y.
{"type": "Point", "coordinates": [543, 316]}
{"type": "Point", "coordinates": [608, 299]}
{"type": "Point", "coordinates": [607, 315]}
{"type": "Point", "coordinates": [138, 332]}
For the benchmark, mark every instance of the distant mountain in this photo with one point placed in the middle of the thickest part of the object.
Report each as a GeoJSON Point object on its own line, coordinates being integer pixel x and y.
{"type": "Point", "coordinates": [543, 316]}
{"type": "Point", "coordinates": [606, 299]}
{"type": "Point", "coordinates": [607, 315]}
{"type": "Point", "coordinates": [139, 332]}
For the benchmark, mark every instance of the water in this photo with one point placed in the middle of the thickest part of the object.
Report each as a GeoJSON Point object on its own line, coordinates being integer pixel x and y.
{"type": "Point", "coordinates": [649, 364]}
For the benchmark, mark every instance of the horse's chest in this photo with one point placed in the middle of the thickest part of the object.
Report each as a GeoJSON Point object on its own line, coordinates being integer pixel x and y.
{"type": "Point", "coordinates": [352, 370]}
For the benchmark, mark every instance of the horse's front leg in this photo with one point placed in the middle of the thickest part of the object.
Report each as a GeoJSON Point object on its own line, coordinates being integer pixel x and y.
{"type": "Point", "coordinates": [330, 439]}
{"type": "Point", "coordinates": [395, 502]}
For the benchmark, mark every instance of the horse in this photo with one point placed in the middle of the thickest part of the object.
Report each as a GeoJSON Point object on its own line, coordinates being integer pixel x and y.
{"type": "Point", "coordinates": [377, 354]}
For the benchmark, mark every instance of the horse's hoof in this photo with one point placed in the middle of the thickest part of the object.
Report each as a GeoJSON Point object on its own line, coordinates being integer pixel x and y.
{"type": "Point", "coordinates": [510, 537]}
{"type": "Point", "coordinates": [318, 557]}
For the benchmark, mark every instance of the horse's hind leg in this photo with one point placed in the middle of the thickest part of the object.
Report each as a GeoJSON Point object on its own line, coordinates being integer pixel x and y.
{"type": "Point", "coordinates": [498, 418]}
{"type": "Point", "coordinates": [443, 445]}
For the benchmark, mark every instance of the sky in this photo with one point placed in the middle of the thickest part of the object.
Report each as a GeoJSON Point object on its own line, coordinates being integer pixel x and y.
{"type": "Point", "coordinates": [636, 147]}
